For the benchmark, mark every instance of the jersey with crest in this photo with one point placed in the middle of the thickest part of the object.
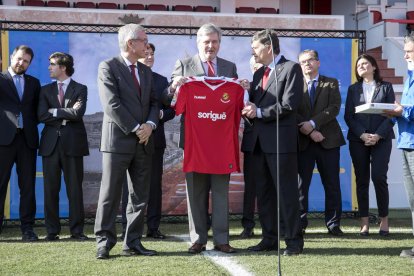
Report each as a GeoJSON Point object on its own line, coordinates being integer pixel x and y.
{"type": "Point", "coordinates": [212, 109]}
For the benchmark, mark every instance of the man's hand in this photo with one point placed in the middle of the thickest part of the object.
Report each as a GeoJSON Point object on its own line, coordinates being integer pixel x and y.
{"type": "Point", "coordinates": [177, 81]}
{"type": "Point", "coordinates": [50, 110]}
{"type": "Point", "coordinates": [397, 112]}
{"type": "Point", "coordinates": [77, 105]}
{"type": "Point", "coordinates": [245, 84]}
{"type": "Point", "coordinates": [316, 136]}
{"type": "Point", "coordinates": [143, 133]}
{"type": "Point", "coordinates": [249, 110]}
{"type": "Point", "coordinates": [306, 127]}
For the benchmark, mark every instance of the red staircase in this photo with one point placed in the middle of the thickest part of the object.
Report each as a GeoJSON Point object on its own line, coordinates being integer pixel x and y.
{"type": "Point", "coordinates": [387, 74]}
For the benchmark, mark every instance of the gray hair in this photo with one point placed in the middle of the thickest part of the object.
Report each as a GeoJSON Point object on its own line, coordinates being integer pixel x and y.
{"type": "Point", "coordinates": [207, 29]}
{"type": "Point", "coordinates": [409, 38]}
{"type": "Point", "coordinates": [126, 33]}
{"type": "Point", "coordinates": [312, 52]}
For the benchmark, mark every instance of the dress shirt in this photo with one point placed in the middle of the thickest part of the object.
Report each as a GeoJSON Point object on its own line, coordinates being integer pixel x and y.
{"type": "Point", "coordinates": [368, 88]}
{"type": "Point", "coordinates": [64, 87]}
{"type": "Point", "coordinates": [315, 84]}
{"type": "Point", "coordinates": [205, 65]}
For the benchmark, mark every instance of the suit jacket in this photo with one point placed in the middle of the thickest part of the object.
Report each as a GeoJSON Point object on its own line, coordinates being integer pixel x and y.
{"type": "Point", "coordinates": [161, 83]}
{"type": "Point", "coordinates": [11, 107]}
{"type": "Point", "coordinates": [193, 67]}
{"type": "Point", "coordinates": [73, 135]}
{"type": "Point", "coordinates": [123, 107]}
{"type": "Point", "coordinates": [287, 88]}
{"type": "Point", "coordinates": [326, 107]}
{"type": "Point", "coordinates": [368, 123]}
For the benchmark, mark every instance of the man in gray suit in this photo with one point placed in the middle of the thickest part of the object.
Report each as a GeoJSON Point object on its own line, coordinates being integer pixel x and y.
{"type": "Point", "coordinates": [63, 144]}
{"type": "Point", "coordinates": [275, 94]}
{"type": "Point", "coordinates": [206, 63]}
{"type": "Point", "coordinates": [131, 114]}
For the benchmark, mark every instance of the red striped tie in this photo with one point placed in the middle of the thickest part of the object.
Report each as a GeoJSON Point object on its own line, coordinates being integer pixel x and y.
{"type": "Point", "coordinates": [134, 77]}
{"type": "Point", "coordinates": [210, 71]}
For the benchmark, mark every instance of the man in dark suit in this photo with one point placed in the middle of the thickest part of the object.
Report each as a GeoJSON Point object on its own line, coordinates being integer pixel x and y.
{"type": "Point", "coordinates": [249, 195]}
{"type": "Point", "coordinates": [63, 144]}
{"type": "Point", "coordinates": [155, 194]}
{"type": "Point", "coordinates": [271, 99]}
{"type": "Point", "coordinates": [320, 138]}
{"type": "Point", "coordinates": [206, 63]}
{"type": "Point", "coordinates": [131, 113]}
{"type": "Point", "coordinates": [19, 139]}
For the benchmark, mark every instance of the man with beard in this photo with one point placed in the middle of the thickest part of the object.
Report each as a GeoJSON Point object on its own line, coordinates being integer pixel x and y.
{"type": "Point", "coordinates": [19, 139]}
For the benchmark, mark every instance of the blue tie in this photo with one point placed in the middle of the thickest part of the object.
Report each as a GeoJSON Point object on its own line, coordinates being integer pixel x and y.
{"type": "Point", "coordinates": [312, 92]}
{"type": "Point", "coordinates": [18, 84]}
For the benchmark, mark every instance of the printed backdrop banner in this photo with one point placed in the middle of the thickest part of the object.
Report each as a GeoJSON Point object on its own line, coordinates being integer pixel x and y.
{"type": "Point", "coordinates": [88, 49]}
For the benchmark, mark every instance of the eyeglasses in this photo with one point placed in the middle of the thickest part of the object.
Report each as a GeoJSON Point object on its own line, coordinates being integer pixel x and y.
{"type": "Point", "coordinates": [304, 62]}
{"type": "Point", "coordinates": [145, 41]}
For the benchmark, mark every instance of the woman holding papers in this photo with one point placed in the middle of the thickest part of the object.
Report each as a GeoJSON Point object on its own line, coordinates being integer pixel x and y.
{"type": "Point", "coordinates": [370, 139]}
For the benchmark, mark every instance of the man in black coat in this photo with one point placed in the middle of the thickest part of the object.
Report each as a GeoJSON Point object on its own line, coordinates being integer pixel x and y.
{"type": "Point", "coordinates": [63, 144]}
{"type": "Point", "coordinates": [19, 139]}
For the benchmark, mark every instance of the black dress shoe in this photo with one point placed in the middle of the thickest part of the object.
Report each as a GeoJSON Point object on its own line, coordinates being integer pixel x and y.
{"type": "Point", "coordinates": [263, 246]}
{"type": "Point", "coordinates": [225, 248]}
{"type": "Point", "coordinates": [384, 233]}
{"type": "Point", "coordinates": [52, 237]}
{"type": "Point", "coordinates": [102, 253]}
{"type": "Point", "coordinates": [335, 231]}
{"type": "Point", "coordinates": [139, 249]}
{"type": "Point", "coordinates": [247, 233]}
{"type": "Point", "coordinates": [79, 237]}
{"type": "Point", "coordinates": [29, 236]}
{"type": "Point", "coordinates": [292, 251]}
{"type": "Point", "coordinates": [156, 234]}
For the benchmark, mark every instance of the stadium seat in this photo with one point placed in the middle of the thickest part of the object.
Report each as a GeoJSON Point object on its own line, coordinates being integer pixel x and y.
{"type": "Point", "coordinates": [267, 10]}
{"type": "Point", "coordinates": [182, 8]}
{"type": "Point", "coordinates": [134, 6]}
{"type": "Point", "coordinates": [84, 5]}
{"type": "Point", "coordinates": [245, 10]}
{"type": "Point", "coordinates": [157, 7]}
{"type": "Point", "coordinates": [34, 3]}
{"type": "Point", "coordinates": [107, 5]}
{"type": "Point", "coordinates": [204, 9]}
{"type": "Point", "coordinates": [410, 16]}
{"type": "Point", "coordinates": [376, 17]}
{"type": "Point", "coordinates": [57, 4]}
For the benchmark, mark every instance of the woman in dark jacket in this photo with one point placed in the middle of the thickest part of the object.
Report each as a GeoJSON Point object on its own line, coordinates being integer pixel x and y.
{"type": "Point", "coordinates": [370, 139]}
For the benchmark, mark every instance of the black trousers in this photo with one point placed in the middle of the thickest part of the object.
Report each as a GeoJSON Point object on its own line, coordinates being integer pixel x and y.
{"type": "Point", "coordinates": [249, 197]}
{"type": "Point", "coordinates": [72, 168]}
{"type": "Point", "coordinates": [265, 166]}
{"type": "Point", "coordinates": [25, 158]}
{"type": "Point", "coordinates": [327, 161]}
{"type": "Point", "coordinates": [371, 162]}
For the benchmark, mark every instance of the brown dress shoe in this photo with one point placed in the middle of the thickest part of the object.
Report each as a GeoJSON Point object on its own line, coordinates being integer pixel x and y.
{"type": "Point", "coordinates": [196, 248]}
{"type": "Point", "coordinates": [225, 248]}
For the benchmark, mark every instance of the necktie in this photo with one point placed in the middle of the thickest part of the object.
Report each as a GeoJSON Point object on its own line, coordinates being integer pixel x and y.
{"type": "Point", "coordinates": [210, 71]}
{"type": "Point", "coordinates": [61, 95]}
{"type": "Point", "coordinates": [134, 77]}
{"type": "Point", "coordinates": [312, 92]}
{"type": "Point", "coordinates": [18, 83]}
{"type": "Point", "coordinates": [265, 77]}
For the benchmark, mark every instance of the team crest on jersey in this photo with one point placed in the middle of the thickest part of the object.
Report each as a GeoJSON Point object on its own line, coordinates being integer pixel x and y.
{"type": "Point", "coordinates": [225, 98]}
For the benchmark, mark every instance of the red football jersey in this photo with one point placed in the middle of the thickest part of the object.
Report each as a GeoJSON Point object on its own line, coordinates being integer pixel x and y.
{"type": "Point", "coordinates": [212, 109]}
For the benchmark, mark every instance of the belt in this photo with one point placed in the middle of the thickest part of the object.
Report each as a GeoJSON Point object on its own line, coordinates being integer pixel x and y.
{"type": "Point", "coordinates": [19, 130]}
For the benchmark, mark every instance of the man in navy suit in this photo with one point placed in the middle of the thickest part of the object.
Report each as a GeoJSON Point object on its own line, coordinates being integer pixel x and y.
{"type": "Point", "coordinates": [19, 139]}
{"type": "Point", "coordinates": [155, 194]}
{"type": "Point", "coordinates": [63, 144]}
{"type": "Point", "coordinates": [275, 93]}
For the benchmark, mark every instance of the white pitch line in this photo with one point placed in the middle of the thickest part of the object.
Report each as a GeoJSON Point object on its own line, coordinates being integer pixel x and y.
{"type": "Point", "coordinates": [221, 259]}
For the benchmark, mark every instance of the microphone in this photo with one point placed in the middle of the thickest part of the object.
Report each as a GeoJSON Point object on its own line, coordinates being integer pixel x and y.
{"type": "Point", "coordinates": [279, 269]}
